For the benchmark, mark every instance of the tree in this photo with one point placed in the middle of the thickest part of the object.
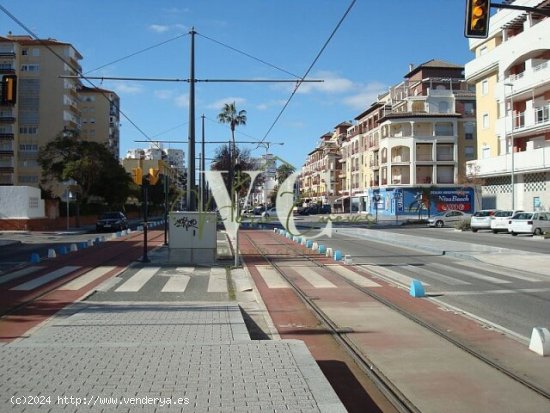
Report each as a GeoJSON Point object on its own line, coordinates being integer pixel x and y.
{"type": "Point", "coordinates": [93, 167]}
{"type": "Point", "coordinates": [284, 171]}
{"type": "Point", "coordinates": [222, 162]}
{"type": "Point", "coordinates": [230, 116]}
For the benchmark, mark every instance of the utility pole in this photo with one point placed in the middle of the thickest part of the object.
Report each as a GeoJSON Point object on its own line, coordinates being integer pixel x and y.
{"type": "Point", "coordinates": [191, 195]}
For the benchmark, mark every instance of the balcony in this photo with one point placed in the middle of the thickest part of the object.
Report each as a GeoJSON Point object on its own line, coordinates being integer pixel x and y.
{"type": "Point", "coordinates": [534, 160]}
{"type": "Point", "coordinates": [6, 136]}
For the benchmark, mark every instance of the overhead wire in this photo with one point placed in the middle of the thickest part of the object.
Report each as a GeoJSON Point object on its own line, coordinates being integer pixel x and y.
{"type": "Point", "coordinates": [299, 83]}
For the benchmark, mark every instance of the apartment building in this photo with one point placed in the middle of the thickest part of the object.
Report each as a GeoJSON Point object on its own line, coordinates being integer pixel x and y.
{"type": "Point", "coordinates": [320, 175]}
{"type": "Point", "coordinates": [511, 72]}
{"type": "Point", "coordinates": [406, 153]}
{"type": "Point", "coordinates": [100, 117]}
{"type": "Point", "coordinates": [45, 104]}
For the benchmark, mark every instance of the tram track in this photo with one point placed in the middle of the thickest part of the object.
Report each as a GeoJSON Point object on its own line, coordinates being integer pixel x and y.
{"type": "Point", "coordinates": [386, 387]}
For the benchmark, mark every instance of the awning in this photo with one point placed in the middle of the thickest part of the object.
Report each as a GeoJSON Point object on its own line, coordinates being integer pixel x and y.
{"type": "Point", "coordinates": [341, 198]}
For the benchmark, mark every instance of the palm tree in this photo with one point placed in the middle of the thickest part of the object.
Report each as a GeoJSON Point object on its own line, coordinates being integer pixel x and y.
{"type": "Point", "coordinates": [230, 116]}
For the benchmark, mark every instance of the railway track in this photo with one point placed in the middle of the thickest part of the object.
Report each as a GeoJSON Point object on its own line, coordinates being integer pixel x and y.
{"type": "Point", "coordinates": [286, 250]}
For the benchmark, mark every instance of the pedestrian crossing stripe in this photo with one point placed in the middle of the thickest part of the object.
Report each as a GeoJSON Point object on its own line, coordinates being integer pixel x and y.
{"type": "Point", "coordinates": [138, 280]}
{"type": "Point", "coordinates": [438, 276]}
{"type": "Point", "coordinates": [352, 276]}
{"type": "Point", "coordinates": [87, 278]}
{"type": "Point", "coordinates": [476, 275]}
{"type": "Point", "coordinates": [19, 273]}
{"type": "Point", "coordinates": [217, 282]}
{"type": "Point", "coordinates": [271, 277]}
{"type": "Point", "coordinates": [176, 284]}
{"type": "Point", "coordinates": [314, 278]}
{"type": "Point", "coordinates": [46, 278]}
{"type": "Point", "coordinates": [385, 272]}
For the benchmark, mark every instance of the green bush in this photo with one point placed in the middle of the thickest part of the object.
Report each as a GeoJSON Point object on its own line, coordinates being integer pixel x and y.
{"type": "Point", "coordinates": [463, 225]}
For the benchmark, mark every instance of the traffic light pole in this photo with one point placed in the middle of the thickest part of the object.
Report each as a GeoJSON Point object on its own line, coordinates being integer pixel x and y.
{"type": "Point", "coordinates": [145, 187]}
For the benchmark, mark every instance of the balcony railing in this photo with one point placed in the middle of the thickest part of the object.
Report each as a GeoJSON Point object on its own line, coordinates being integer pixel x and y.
{"type": "Point", "coordinates": [526, 161]}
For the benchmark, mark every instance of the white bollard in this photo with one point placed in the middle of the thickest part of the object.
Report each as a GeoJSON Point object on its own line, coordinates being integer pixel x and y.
{"type": "Point", "coordinates": [329, 252]}
{"type": "Point", "coordinates": [348, 260]}
{"type": "Point", "coordinates": [51, 253]}
{"type": "Point", "coordinates": [540, 341]}
{"type": "Point", "coordinates": [74, 248]}
{"type": "Point", "coordinates": [315, 246]}
{"type": "Point", "coordinates": [90, 243]}
{"type": "Point", "coordinates": [304, 240]}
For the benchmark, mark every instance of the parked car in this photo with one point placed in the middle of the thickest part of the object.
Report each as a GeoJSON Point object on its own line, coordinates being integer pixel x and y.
{"type": "Point", "coordinates": [482, 219]}
{"type": "Point", "coordinates": [271, 212]}
{"type": "Point", "coordinates": [111, 221]}
{"type": "Point", "coordinates": [447, 218]}
{"type": "Point", "coordinates": [258, 210]}
{"type": "Point", "coordinates": [500, 220]}
{"type": "Point", "coordinates": [535, 223]}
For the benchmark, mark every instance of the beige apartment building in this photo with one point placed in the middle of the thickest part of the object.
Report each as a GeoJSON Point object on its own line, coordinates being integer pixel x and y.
{"type": "Point", "coordinates": [319, 178]}
{"type": "Point", "coordinates": [407, 151]}
{"type": "Point", "coordinates": [511, 72]}
{"type": "Point", "coordinates": [46, 104]}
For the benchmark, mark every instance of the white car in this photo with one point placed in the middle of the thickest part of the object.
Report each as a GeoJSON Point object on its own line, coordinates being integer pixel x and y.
{"type": "Point", "coordinates": [501, 219]}
{"type": "Point", "coordinates": [447, 218]}
{"type": "Point", "coordinates": [482, 219]}
{"type": "Point", "coordinates": [271, 212]}
{"type": "Point", "coordinates": [536, 223]}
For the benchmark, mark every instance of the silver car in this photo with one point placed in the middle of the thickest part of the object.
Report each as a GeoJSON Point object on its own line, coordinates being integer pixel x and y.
{"type": "Point", "coordinates": [447, 218]}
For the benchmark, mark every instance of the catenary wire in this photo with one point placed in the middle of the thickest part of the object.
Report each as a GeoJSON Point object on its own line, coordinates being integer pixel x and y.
{"type": "Point", "coordinates": [298, 84]}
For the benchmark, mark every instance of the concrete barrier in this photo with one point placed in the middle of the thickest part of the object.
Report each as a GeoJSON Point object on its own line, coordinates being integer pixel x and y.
{"type": "Point", "coordinates": [540, 341]}
{"type": "Point", "coordinates": [417, 289]}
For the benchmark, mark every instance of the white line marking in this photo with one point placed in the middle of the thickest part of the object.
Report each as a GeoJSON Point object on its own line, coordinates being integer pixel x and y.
{"type": "Point", "coordinates": [506, 271]}
{"type": "Point", "coordinates": [314, 278]}
{"type": "Point", "coordinates": [18, 273]}
{"type": "Point", "coordinates": [395, 276]}
{"type": "Point", "coordinates": [87, 278]}
{"type": "Point", "coordinates": [176, 284]}
{"type": "Point", "coordinates": [271, 277]}
{"type": "Point", "coordinates": [435, 275]}
{"type": "Point", "coordinates": [473, 274]}
{"type": "Point", "coordinates": [138, 280]}
{"type": "Point", "coordinates": [519, 290]}
{"type": "Point", "coordinates": [37, 282]}
{"type": "Point", "coordinates": [217, 282]}
{"type": "Point", "coordinates": [353, 276]}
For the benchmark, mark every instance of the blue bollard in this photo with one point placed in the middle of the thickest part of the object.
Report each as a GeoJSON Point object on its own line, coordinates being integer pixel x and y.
{"type": "Point", "coordinates": [35, 258]}
{"type": "Point", "coordinates": [417, 289]}
{"type": "Point", "coordinates": [337, 255]}
{"type": "Point", "coordinates": [63, 250]}
{"type": "Point", "coordinates": [322, 249]}
{"type": "Point", "coordinates": [309, 243]}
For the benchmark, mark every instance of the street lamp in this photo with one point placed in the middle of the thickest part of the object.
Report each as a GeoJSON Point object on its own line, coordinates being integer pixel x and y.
{"type": "Point", "coordinates": [376, 199]}
{"type": "Point", "coordinates": [512, 173]}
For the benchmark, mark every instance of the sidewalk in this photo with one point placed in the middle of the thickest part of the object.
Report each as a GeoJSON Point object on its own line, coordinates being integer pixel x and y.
{"type": "Point", "coordinates": [165, 356]}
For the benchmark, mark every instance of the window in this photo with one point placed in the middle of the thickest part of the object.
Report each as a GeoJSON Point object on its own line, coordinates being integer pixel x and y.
{"type": "Point", "coordinates": [485, 87]}
{"type": "Point", "coordinates": [469, 130]}
{"type": "Point", "coordinates": [443, 107]}
{"type": "Point", "coordinates": [485, 123]}
{"type": "Point", "coordinates": [468, 108]}
{"type": "Point", "coordinates": [469, 152]}
{"type": "Point", "coordinates": [30, 68]}
{"type": "Point", "coordinates": [28, 147]}
{"type": "Point", "coordinates": [28, 130]}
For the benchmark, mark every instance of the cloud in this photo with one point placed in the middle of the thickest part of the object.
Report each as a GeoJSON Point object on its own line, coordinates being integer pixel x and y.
{"type": "Point", "coordinates": [332, 83]}
{"type": "Point", "coordinates": [163, 28]}
{"type": "Point", "coordinates": [365, 96]}
{"type": "Point", "coordinates": [163, 94]}
{"type": "Point", "coordinates": [128, 89]}
{"type": "Point", "coordinates": [182, 101]}
{"type": "Point", "coordinates": [270, 104]}
{"type": "Point", "coordinates": [219, 103]}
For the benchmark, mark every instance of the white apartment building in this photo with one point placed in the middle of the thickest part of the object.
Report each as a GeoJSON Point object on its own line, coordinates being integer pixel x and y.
{"type": "Point", "coordinates": [511, 71]}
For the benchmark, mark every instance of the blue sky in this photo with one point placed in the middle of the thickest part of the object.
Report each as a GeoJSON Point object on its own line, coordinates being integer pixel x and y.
{"type": "Point", "coordinates": [370, 52]}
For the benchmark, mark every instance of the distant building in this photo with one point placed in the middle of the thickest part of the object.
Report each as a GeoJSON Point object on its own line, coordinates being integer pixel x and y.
{"type": "Point", "coordinates": [100, 117]}
{"type": "Point", "coordinates": [511, 72]}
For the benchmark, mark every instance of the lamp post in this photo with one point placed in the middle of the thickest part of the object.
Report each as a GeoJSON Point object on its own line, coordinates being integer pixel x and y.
{"type": "Point", "coordinates": [512, 172]}
{"type": "Point", "coordinates": [376, 199]}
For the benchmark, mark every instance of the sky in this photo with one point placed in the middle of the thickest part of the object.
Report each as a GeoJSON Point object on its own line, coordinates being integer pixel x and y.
{"type": "Point", "coordinates": [246, 39]}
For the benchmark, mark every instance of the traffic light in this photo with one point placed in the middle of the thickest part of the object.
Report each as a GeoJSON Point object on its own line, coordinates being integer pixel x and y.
{"type": "Point", "coordinates": [9, 90]}
{"type": "Point", "coordinates": [137, 175]}
{"type": "Point", "coordinates": [477, 18]}
{"type": "Point", "coordinates": [154, 176]}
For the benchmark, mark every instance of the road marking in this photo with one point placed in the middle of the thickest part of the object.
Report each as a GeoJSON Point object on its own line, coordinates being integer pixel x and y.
{"type": "Point", "coordinates": [314, 278]}
{"type": "Point", "coordinates": [473, 274]}
{"type": "Point", "coordinates": [138, 280]}
{"type": "Point", "coordinates": [422, 270]}
{"type": "Point", "coordinates": [46, 278]}
{"type": "Point", "coordinates": [176, 284]}
{"type": "Point", "coordinates": [392, 275]}
{"type": "Point", "coordinates": [519, 290]}
{"type": "Point", "coordinates": [271, 277]}
{"type": "Point", "coordinates": [87, 278]}
{"type": "Point", "coordinates": [18, 273]}
{"type": "Point", "coordinates": [352, 276]}
{"type": "Point", "coordinates": [508, 271]}
{"type": "Point", "coordinates": [217, 282]}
